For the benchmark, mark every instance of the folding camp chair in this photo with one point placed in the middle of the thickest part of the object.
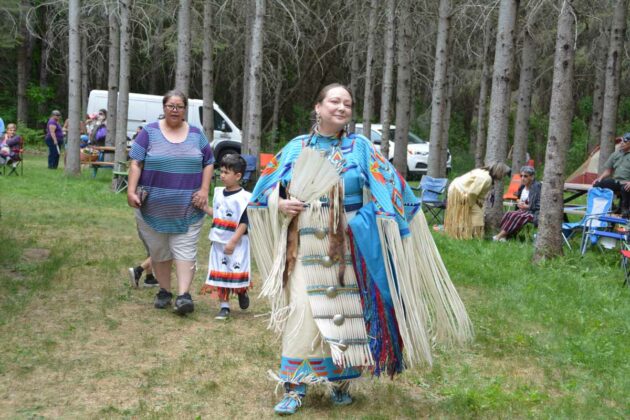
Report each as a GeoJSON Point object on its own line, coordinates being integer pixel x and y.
{"type": "Point", "coordinates": [608, 232]}
{"type": "Point", "coordinates": [121, 175]}
{"type": "Point", "coordinates": [510, 198]}
{"type": "Point", "coordinates": [433, 197]}
{"type": "Point", "coordinates": [625, 256]}
{"type": "Point", "coordinates": [598, 203]}
{"type": "Point", "coordinates": [16, 162]}
{"type": "Point", "coordinates": [250, 168]}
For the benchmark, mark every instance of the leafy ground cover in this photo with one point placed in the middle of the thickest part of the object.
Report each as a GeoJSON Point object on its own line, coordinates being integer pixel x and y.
{"type": "Point", "coordinates": [76, 341]}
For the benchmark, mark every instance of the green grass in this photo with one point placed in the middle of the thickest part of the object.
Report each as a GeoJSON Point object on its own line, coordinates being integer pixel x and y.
{"type": "Point", "coordinates": [551, 340]}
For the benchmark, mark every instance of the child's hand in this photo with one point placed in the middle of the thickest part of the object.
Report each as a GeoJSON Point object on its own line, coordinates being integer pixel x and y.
{"type": "Point", "coordinates": [229, 248]}
{"type": "Point", "coordinates": [207, 210]}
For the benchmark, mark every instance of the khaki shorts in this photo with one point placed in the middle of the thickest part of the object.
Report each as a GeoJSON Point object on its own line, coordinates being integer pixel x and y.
{"type": "Point", "coordinates": [169, 246]}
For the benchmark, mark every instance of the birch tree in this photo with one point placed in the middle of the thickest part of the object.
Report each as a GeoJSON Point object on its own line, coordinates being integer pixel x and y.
{"type": "Point", "coordinates": [254, 111]}
{"type": "Point", "coordinates": [498, 121]}
{"type": "Point", "coordinates": [524, 104]}
{"type": "Point", "coordinates": [403, 87]}
{"type": "Point", "coordinates": [595, 124]}
{"type": "Point", "coordinates": [354, 62]}
{"type": "Point", "coordinates": [207, 76]}
{"type": "Point", "coordinates": [123, 82]}
{"type": "Point", "coordinates": [23, 62]}
{"type": "Point", "coordinates": [85, 76]}
{"type": "Point", "coordinates": [387, 86]}
{"type": "Point", "coordinates": [613, 76]}
{"type": "Point", "coordinates": [73, 162]}
{"type": "Point", "coordinates": [480, 146]}
{"type": "Point", "coordinates": [549, 240]}
{"type": "Point", "coordinates": [113, 72]}
{"type": "Point", "coordinates": [249, 21]}
{"type": "Point", "coordinates": [182, 75]}
{"type": "Point", "coordinates": [440, 86]}
{"type": "Point", "coordinates": [368, 92]}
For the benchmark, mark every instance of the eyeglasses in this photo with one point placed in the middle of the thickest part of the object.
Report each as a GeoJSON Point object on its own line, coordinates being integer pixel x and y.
{"type": "Point", "coordinates": [524, 176]}
{"type": "Point", "coordinates": [172, 107]}
{"type": "Point", "coordinates": [625, 140]}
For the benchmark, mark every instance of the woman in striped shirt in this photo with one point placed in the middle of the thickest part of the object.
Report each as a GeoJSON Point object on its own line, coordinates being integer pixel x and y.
{"type": "Point", "coordinates": [169, 179]}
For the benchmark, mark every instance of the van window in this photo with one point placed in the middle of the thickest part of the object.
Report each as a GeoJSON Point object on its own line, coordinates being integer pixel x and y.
{"type": "Point", "coordinates": [219, 122]}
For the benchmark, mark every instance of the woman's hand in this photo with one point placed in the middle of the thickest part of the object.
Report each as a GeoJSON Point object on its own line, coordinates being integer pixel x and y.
{"type": "Point", "coordinates": [200, 199]}
{"type": "Point", "coordinates": [290, 207]}
{"type": "Point", "coordinates": [521, 205]}
{"type": "Point", "coordinates": [133, 200]}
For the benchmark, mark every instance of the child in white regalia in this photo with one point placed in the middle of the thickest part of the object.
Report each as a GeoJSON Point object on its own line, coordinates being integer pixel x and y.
{"type": "Point", "coordinates": [228, 266]}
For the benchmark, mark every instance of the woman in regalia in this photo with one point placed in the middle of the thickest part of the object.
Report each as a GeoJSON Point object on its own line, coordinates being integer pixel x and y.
{"type": "Point", "coordinates": [354, 278]}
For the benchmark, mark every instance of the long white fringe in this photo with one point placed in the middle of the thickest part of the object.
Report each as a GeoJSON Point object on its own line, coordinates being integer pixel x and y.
{"type": "Point", "coordinates": [427, 306]}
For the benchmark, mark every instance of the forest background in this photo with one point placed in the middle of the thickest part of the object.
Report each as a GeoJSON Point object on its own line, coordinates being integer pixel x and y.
{"type": "Point", "coordinates": [474, 76]}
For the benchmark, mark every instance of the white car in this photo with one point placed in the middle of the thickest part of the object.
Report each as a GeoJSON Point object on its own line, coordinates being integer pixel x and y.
{"type": "Point", "coordinates": [417, 149]}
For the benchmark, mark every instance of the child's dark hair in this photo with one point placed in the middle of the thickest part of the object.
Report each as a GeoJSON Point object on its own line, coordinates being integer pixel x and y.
{"type": "Point", "coordinates": [235, 163]}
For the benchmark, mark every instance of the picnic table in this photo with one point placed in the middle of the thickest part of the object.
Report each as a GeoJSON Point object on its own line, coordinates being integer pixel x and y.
{"type": "Point", "coordinates": [100, 162]}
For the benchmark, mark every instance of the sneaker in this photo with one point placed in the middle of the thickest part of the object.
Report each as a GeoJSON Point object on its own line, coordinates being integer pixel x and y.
{"type": "Point", "coordinates": [184, 304]}
{"type": "Point", "coordinates": [134, 276]}
{"type": "Point", "coordinates": [243, 300]}
{"type": "Point", "coordinates": [340, 397]}
{"type": "Point", "coordinates": [292, 399]}
{"type": "Point", "coordinates": [150, 281]}
{"type": "Point", "coordinates": [162, 299]}
{"type": "Point", "coordinates": [224, 313]}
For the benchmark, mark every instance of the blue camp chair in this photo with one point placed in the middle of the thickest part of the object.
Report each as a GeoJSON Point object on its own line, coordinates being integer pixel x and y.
{"type": "Point", "coordinates": [250, 169]}
{"type": "Point", "coordinates": [598, 203]}
{"type": "Point", "coordinates": [601, 231]}
{"type": "Point", "coordinates": [432, 192]}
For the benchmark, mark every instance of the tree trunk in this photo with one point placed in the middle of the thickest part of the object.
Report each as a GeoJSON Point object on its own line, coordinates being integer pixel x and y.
{"type": "Point", "coordinates": [613, 75]}
{"type": "Point", "coordinates": [113, 73]}
{"type": "Point", "coordinates": [249, 21]}
{"type": "Point", "coordinates": [354, 64]}
{"type": "Point", "coordinates": [595, 125]}
{"type": "Point", "coordinates": [440, 86]}
{"type": "Point", "coordinates": [480, 145]}
{"type": "Point", "coordinates": [123, 83]}
{"type": "Point", "coordinates": [73, 159]}
{"type": "Point", "coordinates": [499, 116]}
{"type": "Point", "coordinates": [207, 76]}
{"type": "Point", "coordinates": [156, 51]}
{"type": "Point", "coordinates": [387, 87]}
{"type": "Point", "coordinates": [526, 80]}
{"type": "Point", "coordinates": [254, 111]}
{"type": "Point", "coordinates": [368, 92]}
{"type": "Point", "coordinates": [549, 240]}
{"type": "Point", "coordinates": [46, 43]}
{"type": "Point", "coordinates": [277, 96]}
{"type": "Point", "coordinates": [403, 87]}
{"type": "Point", "coordinates": [446, 120]}
{"type": "Point", "coordinates": [23, 63]}
{"type": "Point", "coordinates": [182, 74]}
{"type": "Point", "coordinates": [85, 76]}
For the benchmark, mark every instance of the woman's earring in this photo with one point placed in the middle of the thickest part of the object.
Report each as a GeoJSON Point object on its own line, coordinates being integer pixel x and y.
{"type": "Point", "coordinates": [318, 119]}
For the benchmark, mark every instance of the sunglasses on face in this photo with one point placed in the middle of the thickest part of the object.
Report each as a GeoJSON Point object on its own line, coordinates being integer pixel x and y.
{"type": "Point", "coordinates": [175, 107]}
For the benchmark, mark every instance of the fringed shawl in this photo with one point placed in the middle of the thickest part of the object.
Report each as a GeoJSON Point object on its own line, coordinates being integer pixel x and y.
{"type": "Point", "coordinates": [408, 298]}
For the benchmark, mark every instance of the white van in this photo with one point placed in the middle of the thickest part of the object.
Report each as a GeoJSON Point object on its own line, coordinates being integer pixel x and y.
{"type": "Point", "coordinates": [144, 109]}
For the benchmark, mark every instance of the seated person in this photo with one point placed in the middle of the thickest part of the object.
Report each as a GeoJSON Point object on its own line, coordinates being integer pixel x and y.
{"type": "Point", "coordinates": [527, 206]}
{"type": "Point", "coordinates": [9, 144]}
{"type": "Point", "coordinates": [616, 175]}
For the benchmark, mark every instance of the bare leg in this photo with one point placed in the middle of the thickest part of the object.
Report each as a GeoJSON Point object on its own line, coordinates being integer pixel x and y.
{"type": "Point", "coordinates": [146, 266]}
{"type": "Point", "coordinates": [185, 271]}
{"type": "Point", "coordinates": [502, 234]}
{"type": "Point", "coordinates": [162, 271]}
